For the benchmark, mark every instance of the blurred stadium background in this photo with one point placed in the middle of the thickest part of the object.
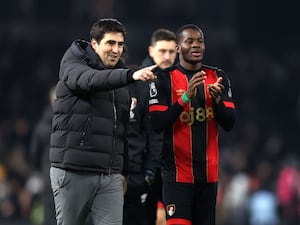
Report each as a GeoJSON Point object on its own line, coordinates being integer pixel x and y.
{"type": "Point", "coordinates": [255, 42]}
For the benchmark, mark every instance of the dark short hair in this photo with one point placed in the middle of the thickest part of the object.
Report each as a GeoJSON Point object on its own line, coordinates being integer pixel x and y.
{"type": "Point", "coordinates": [104, 26]}
{"type": "Point", "coordinates": [186, 27]}
{"type": "Point", "coordinates": [162, 35]}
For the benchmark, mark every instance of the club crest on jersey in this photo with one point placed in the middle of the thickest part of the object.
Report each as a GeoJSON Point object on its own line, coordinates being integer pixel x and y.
{"type": "Point", "coordinates": [171, 209]}
{"type": "Point", "coordinates": [153, 90]}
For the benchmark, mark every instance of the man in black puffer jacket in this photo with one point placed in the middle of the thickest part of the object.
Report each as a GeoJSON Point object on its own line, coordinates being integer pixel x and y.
{"type": "Point", "coordinates": [88, 147]}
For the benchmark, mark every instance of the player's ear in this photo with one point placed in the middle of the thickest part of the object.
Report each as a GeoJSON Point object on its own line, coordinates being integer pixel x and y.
{"type": "Point", "coordinates": [178, 49]}
{"type": "Point", "coordinates": [94, 43]}
{"type": "Point", "coordinates": [150, 50]}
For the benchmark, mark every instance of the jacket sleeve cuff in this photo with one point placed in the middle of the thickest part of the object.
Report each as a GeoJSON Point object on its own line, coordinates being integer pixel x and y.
{"type": "Point", "coordinates": [129, 76]}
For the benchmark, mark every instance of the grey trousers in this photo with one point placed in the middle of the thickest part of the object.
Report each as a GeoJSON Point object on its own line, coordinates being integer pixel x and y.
{"type": "Point", "coordinates": [76, 194]}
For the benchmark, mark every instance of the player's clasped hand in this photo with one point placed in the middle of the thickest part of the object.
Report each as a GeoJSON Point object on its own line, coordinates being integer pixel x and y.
{"type": "Point", "coordinates": [215, 90]}
{"type": "Point", "coordinates": [145, 74]}
{"type": "Point", "coordinates": [194, 82]}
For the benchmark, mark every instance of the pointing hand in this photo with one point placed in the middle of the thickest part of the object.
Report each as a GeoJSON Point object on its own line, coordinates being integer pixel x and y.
{"type": "Point", "coordinates": [145, 74]}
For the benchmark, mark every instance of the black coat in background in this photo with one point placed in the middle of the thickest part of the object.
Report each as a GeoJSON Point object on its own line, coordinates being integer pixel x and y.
{"type": "Point", "coordinates": [39, 158]}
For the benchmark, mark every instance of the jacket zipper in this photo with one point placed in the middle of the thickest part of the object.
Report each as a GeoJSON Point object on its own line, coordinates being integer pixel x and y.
{"type": "Point", "coordinates": [85, 131]}
{"type": "Point", "coordinates": [114, 130]}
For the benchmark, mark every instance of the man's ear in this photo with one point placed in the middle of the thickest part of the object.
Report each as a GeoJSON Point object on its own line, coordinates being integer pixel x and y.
{"type": "Point", "coordinates": [94, 43]}
{"type": "Point", "coordinates": [150, 49]}
{"type": "Point", "coordinates": [178, 50]}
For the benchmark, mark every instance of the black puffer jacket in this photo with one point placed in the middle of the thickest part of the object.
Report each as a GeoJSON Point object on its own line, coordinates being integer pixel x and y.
{"type": "Point", "coordinates": [91, 113]}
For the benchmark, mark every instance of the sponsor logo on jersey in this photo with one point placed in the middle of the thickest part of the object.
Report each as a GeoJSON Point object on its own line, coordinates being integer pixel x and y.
{"type": "Point", "coordinates": [197, 114]}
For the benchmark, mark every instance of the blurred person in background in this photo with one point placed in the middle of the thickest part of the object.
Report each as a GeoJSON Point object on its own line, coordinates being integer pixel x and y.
{"type": "Point", "coordinates": [144, 180]}
{"type": "Point", "coordinates": [39, 157]}
{"type": "Point", "coordinates": [88, 144]}
{"type": "Point", "coordinates": [262, 203]}
{"type": "Point", "coordinates": [288, 191]}
{"type": "Point", "coordinates": [16, 195]}
{"type": "Point", "coordinates": [188, 103]}
{"type": "Point", "coordinates": [263, 208]}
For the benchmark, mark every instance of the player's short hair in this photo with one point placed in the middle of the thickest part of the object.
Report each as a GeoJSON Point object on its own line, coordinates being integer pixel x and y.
{"type": "Point", "coordinates": [162, 35]}
{"type": "Point", "coordinates": [186, 27]}
{"type": "Point", "coordinates": [107, 25]}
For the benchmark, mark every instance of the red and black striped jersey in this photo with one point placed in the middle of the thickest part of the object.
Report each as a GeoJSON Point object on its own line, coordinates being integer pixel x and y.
{"type": "Point", "coordinates": [190, 149]}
